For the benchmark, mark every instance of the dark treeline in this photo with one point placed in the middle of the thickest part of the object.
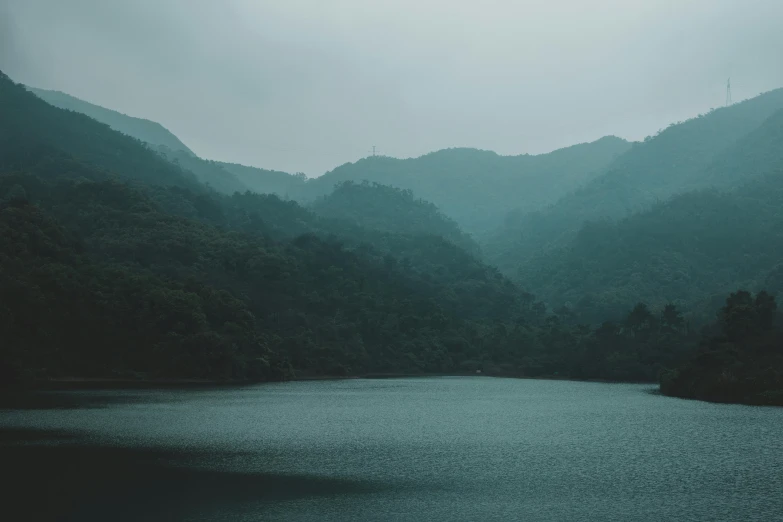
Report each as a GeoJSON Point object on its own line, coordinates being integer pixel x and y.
{"type": "Point", "coordinates": [740, 358]}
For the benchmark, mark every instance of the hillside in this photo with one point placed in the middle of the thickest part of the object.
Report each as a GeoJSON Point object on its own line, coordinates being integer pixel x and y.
{"type": "Point", "coordinates": [31, 129]}
{"type": "Point", "coordinates": [388, 209]}
{"type": "Point", "coordinates": [263, 181]}
{"type": "Point", "coordinates": [691, 155]}
{"type": "Point", "coordinates": [478, 188]}
{"type": "Point", "coordinates": [145, 130]}
{"type": "Point", "coordinates": [692, 249]}
{"type": "Point", "coordinates": [172, 280]}
{"type": "Point", "coordinates": [207, 172]}
{"type": "Point", "coordinates": [740, 358]}
{"type": "Point", "coordinates": [152, 134]}
{"type": "Point", "coordinates": [114, 263]}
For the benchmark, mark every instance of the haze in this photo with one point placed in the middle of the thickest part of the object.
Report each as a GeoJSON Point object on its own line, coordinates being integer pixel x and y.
{"type": "Point", "coordinates": [307, 85]}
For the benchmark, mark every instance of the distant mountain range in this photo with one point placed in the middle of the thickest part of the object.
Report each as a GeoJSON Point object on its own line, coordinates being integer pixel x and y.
{"type": "Point", "coordinates": [147, 131]}
{"type": "Point", "coordinates": [477, 188]}
{"type": "Point", "coordinates": [529, 212]}
{"type": "Point", "coordinates": [125, 255]}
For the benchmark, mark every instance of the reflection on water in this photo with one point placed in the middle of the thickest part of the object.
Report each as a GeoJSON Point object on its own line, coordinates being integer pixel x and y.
{"type": "Point", "coordinates": [407, 449]}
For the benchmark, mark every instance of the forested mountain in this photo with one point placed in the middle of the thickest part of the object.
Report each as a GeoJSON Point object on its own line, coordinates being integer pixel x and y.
{"type": "Point", "coordinates": [118, 263]}
{"type": "Point", "coordinates": [692, 249]}
{"type": "Point", "coordinates": [263, 181]}
{"type": "Point", "coordinates": [389, 209]}
{"type": "Point", "coordinates": [694, 154]}
{"type": "Point", "coordinates": [145, 130]}
{"type": "Point", "coordinates": [223, 177]}
{"type": "Point", "coordinates": [208, 172]}
{"type": "Point", "coordinates": [475, 187]}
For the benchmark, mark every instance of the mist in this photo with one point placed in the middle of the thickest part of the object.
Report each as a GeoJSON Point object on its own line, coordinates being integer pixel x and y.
{"type": "Point", "coordinates": [307, 85]}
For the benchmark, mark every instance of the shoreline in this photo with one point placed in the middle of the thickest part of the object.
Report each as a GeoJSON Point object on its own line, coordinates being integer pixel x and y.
{"type": "Point", "coordinates": [79, 383]}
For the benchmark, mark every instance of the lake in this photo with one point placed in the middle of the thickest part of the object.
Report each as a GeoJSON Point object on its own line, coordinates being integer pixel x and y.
{"type": "Point", "coordinates": [452, 448]}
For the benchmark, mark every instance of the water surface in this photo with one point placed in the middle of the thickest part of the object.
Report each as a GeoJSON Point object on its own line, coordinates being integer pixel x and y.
{"type": "Point", "coordinates": [398, 449]}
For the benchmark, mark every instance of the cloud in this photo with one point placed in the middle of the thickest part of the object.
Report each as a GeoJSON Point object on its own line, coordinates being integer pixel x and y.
{"type": "Point", "coordinates": [307, 84]}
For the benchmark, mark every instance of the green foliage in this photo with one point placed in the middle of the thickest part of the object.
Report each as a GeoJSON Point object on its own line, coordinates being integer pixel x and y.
{"type": "Point", "coordinates": [208, 172]}
{"type": "Point", "coordinates": [263, 181]}
{"type": "Point", "coordinates": [724, 149]}
{"type": "Point", "coordinates": [475, 187]}
{"type": "Point", "coordinates": [144, 130]}
{"type": "Point", "coordinates": [31, 128]}
{"type": "Point", "coordinates": [389, 209]}
{"type": "Point", "coordinates": [740, 358]}
{"type": "Point", "coordinates": [695, 246]}
{"type": "Point", "coordinates": [116, 262]}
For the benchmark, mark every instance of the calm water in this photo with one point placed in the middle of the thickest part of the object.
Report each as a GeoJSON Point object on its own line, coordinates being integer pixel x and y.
{"type": "Point", "coordinates": [403, 449]}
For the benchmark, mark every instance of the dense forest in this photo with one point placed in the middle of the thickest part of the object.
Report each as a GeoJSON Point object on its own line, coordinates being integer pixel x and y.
{"type": "Point", "coordinates": [740, 358]}
{"type": "Point", "coordinates": [118, 263]}
{"type": "Point", "coordinates": [692, 249]}
{"type": "Point", "coordinates": [126, 258]}
{"type": "Point", "coordinates": [147, 131]}
{"type": "Point", "coordinates": [478, 188]}
{"type": "Point", "coordinates": [713, 150]}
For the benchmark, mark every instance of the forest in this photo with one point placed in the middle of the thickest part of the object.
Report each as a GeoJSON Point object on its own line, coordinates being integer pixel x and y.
{"type": "Point", "coordinates": [123, 258]}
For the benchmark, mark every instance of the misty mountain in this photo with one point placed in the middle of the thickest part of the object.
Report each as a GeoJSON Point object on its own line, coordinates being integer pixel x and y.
{"type": "Point", "coordinates": [109, 276]}
{"type": "Point", "coordinates": [208, 172]}
{"type": "Point", "coordinates": [263, 181]}
{"type": "Point", "coordinates": [478, 188]}
{"type": "Point", "coordinates": [690, 155]}
{"type": "Point", "coordinates": [31, 128]}
{"type": "Point", "coordinates": [153, 134]}
{"type": "Point", "coordinates": [692, 249]}
{"type": "Point", "coordinates": [389, 209]}
{"type": "Point", "coordinates": [145, 130]}
{"type": "Point", "coordinates": [117, 263]}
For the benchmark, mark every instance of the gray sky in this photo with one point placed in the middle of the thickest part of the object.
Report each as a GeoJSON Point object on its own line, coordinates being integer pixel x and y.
{"type": "Point", "coordinates": [305, 85]}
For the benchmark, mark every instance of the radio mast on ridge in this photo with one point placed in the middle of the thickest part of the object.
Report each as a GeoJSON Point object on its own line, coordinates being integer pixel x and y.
{"type": "Point", "coordinates": [728, 92]}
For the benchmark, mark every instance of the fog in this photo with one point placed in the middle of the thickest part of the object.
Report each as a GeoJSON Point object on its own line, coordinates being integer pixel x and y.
{"type": "Point", "coordinates": [305, 85]}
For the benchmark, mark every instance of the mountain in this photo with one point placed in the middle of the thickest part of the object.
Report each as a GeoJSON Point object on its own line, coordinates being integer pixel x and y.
{"type": "Point", "coordinates": [691, 155]}
{"type": "Point", "coordinates": [389, 209]}
{"type": "Point", "coordinates": [478, 188]}
{"type": "Point", "coordinates": [120, 264]}
{"type": "Point", "coordinates": [692, 249]}
{"type": "Point", "coordinates": [145, 130]}
{"type": "Point", "coordinates": [208, 172]}
{"type": "Point", "coordinates": [263, 181]}
{"type": "Point", "coordinates": [154, 135]}
{"type": "Point", "coordinates": [32, 129]}
{"type": "Point", "coordinates": [116, 263]}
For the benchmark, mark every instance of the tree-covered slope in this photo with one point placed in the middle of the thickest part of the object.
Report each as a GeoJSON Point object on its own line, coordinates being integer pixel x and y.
{"type": "Point", "coordinates": [389, 209]}
{"type": "Point", "coordinates": [155, 136]}
{"type": "Point", "coordinates": [475, 187]}
{"type": "Point", "coordinates": [107, 236]}
{"type": "Point", "coordinates": [263, 181]}
{"type": "Point", "coordinates": [29, 124]}
{"type": "Point", "coordinates": [740, 358]}
{"type": "Point", "coordinates": [690, 155]}
{"type": "Point", "coordinates": [688, 250]}
{"type": "Point", "coordinates": [144, 130]}
{"type": "Point", "coordinates": [207, 172]}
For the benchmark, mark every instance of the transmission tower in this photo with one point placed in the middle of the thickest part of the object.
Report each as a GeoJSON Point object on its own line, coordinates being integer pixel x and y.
{"type": "Point", "coordinates": [728, 92]}
{"type": "Point", "coordinates": [373, 150]}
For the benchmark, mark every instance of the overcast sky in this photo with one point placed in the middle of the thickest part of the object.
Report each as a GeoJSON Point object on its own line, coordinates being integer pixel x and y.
{"type": "Point", "coordinates": [305, 85]}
